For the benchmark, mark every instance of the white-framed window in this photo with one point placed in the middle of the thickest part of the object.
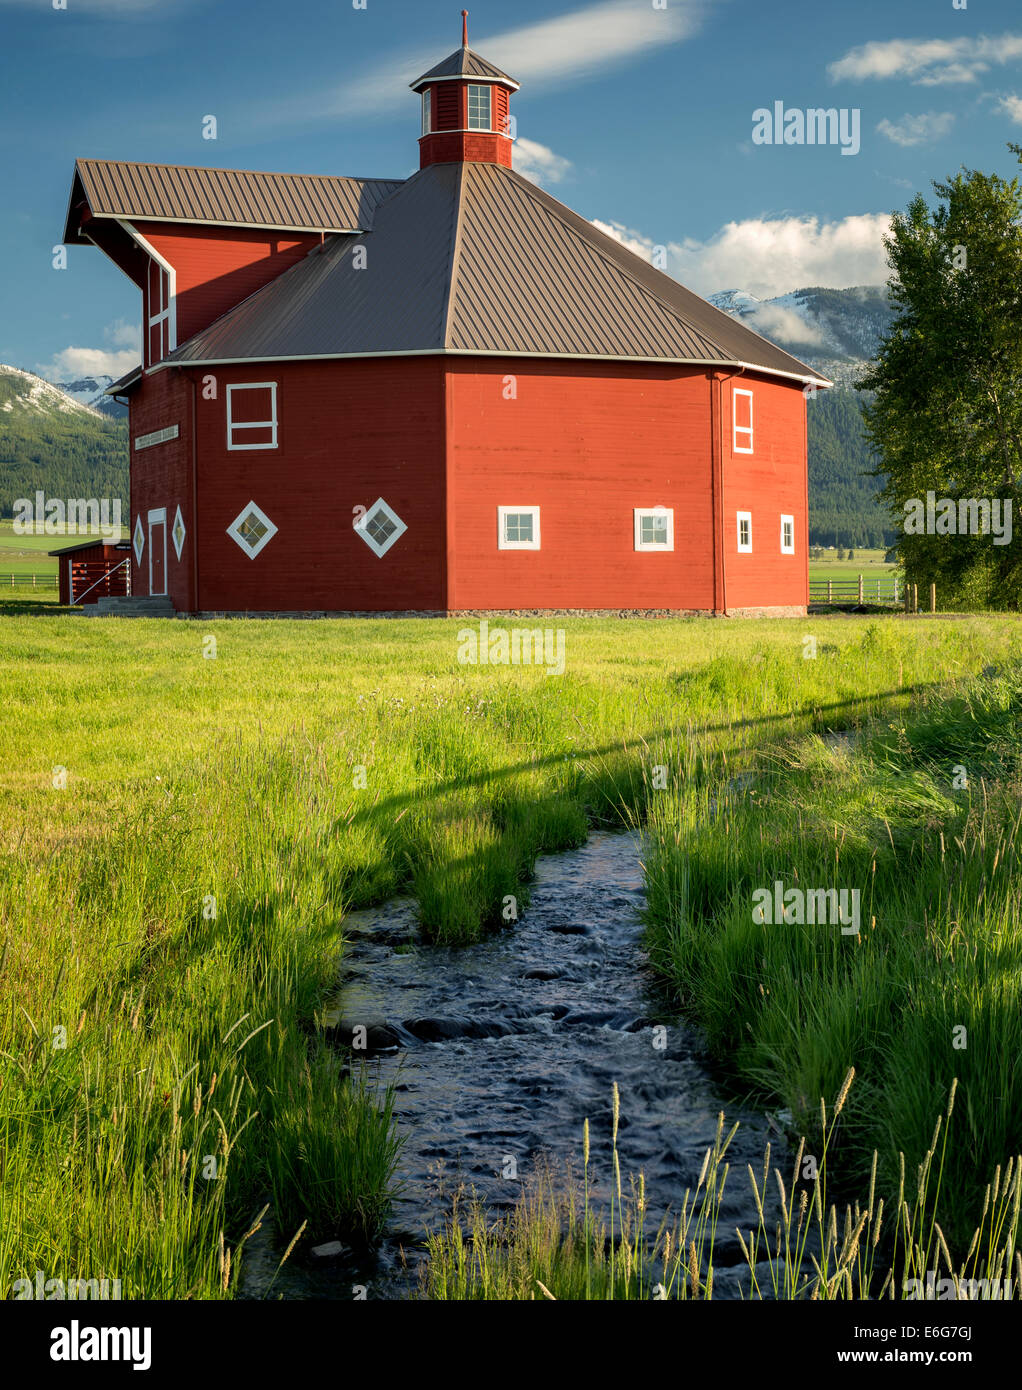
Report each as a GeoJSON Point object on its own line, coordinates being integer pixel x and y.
{"type": "Point", "coordinates": [178, 532]}
{"type": "Point", "coordinates": [787, 535]}
{"type": "Point", "coordinates": [379, 526]}
{"type": "Point", "coordinates": [427, 111]}
{"type": "Point", "coordinates": [744, 533]}
{"type": "Point", "coordinates": [741, 416]}
{"type": "Point", "coordinates": [654, 528]}
{"type": "Point", "coordinates": [479, 109]}
{"type": "Point", "coordinates": [517, 527]}
{"type": "Point", "coordinates": [160, 319]}
{"type": "Point", "coordinates": [252, 415]}
{"type": "Point", "coordinates": [252, 529]}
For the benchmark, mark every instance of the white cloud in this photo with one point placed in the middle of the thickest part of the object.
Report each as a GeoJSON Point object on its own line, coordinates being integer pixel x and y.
{"type": "Point", "coordinates": [1012, 108]}
{"type": "Point", "coordinates": [74, 363]}
{"type": "Point", "coordinates": [538, 163]}
{"type": "Point", "coordinates": [775, 321]}
{"type": "Point", "coordinates": [927, 62]}
{"type": "Point", "coordinates": [569, 48]}
{"type": "Point", "coordinates": [917, 130]}
{"type": "Point", "coordinates": [771, 257]}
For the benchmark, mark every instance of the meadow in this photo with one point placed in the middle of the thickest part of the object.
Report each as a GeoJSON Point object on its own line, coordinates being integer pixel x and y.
{"type": "Point", "coordinates": [190, 809]}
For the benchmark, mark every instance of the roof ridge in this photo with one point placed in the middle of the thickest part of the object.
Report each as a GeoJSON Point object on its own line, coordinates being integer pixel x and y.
{"type": "Point", "coordinates": [452, 274]}
{"type": "Point", "coordinates": [557, 209]}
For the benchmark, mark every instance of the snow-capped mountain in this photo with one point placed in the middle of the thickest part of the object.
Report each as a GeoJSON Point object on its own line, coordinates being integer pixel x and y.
{"type": "Point", "coordinates": [835, 331]}
{"type": "Point", "coordinates": [88, 391]}
{"type": "Point", "coordinates": [24, 391]}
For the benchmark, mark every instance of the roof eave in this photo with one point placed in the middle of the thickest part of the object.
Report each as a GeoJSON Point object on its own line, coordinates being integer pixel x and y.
{"type": "Point", "coordinates": [809, 378]}
{"type": "Point", "coordinates": [507, 82]}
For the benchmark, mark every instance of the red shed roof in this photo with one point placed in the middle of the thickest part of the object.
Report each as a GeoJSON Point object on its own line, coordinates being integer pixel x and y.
{"type": "Point", "coordinates": [472, 258]}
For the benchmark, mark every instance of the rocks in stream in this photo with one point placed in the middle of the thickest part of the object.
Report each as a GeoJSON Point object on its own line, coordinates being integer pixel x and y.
{"type": "Point", "coordinates": [444, 1029]}
{"type": "Point", "coordinates": [366, 1035]}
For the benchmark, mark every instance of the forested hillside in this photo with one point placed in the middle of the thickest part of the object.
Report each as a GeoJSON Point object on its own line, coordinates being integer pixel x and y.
{"type": "Point", "coordinates": [51, 443]}
{"type": "Point", "coordinates": [842, 501]}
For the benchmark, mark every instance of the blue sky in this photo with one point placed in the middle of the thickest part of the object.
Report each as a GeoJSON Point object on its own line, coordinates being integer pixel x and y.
{"type": "Point", "coordinates": [637, 113]}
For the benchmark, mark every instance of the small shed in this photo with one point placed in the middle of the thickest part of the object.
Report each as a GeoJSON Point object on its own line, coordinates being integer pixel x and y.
{"type": "Point", "coordinates": [93, 570]}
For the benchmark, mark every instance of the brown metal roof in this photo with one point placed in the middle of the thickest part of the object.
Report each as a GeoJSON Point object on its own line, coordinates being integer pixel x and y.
{"type": "Point", "coordinates": [225, 197]}
{"type": "Point", "coordinates": [473, 258]}
{"type": "Point", "coordinates": [118, 387]}
{"type": "Point", "coordinates": [464, 63]}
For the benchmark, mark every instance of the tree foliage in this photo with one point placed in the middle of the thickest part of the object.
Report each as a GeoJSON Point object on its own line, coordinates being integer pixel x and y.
{"type": "Point", "coordinates": [946, 413]}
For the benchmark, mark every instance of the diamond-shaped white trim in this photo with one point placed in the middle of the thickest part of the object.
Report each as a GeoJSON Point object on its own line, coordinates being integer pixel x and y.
{"type": "Point", "coordinates": [138, 540]}
{"type": "Point", "coordinates": [178, 533]}
{"type": "Point", "coordinates": [236, 534]}
{"type": "Point", "coordinates": [380, 526]}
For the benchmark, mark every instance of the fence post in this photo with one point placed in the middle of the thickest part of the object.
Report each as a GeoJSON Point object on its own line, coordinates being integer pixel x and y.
{"type": "Point", "coordinates": [830, 591]}
{"type": "Point", "coordinates": [895, 589]}
{"type": "Point", "coordinates": [33, 581]}
{"type": "Point", "coordinates": [915, 598]}
{"type": "Point", "coordinates": [933, 598]}
{"type": "Point", "coordinates": [860, 590]}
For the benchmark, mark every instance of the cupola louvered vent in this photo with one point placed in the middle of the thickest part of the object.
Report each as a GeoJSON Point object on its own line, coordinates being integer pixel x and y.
{"type": "Point", "coordinates": [446, 106]}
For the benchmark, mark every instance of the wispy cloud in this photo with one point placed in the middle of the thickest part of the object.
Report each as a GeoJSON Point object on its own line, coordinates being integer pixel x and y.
{"type": "Point", "coordinates": [569, 48]}
{"type": "Point", "coordinates": [538, 163]}
{"type": "Point", "coordinates": [772, 256]}
{"type": "Point", "coordinates": [1012, 108]}
{"type": "Point", "coordinates": [917, 130]}
{"type": "Point", "coordinates": [928, 62]}
{"type": "Point", "coordinates": [75, 363]}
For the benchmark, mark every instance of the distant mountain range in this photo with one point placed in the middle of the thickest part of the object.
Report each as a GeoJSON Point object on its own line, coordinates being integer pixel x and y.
{"type": "Point", "coordinates": [837, 333]}
{"type": "Point", "coordinates": [89, 391]}
{"type": "Point", "coordinates": [72, 441]}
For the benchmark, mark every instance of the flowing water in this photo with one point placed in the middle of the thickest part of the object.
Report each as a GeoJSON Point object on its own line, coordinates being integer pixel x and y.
{"type": "Point", "coordinates": [499, 1051]}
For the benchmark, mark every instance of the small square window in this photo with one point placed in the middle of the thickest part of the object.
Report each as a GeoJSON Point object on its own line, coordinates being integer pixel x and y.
{"type": "Point", "coordinates": [252, 415]}
{"type": "Point", "coordinates": [654, 528]}
{"type": "Point", "coordinates": [787, 535]}
{"type": "Point", "coordinates": [741, 412]}
{"type": "Point", "coordinates": [518, 528]}
{"type": "Point", "coordinates": [479, 117]}
{"type": "Point", "coordinates": [379, 526]}
{"type": "Point", "coordinates": [744, 533]}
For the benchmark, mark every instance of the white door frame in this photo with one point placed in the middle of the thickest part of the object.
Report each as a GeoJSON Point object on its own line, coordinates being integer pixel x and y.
{"type": "Point", "coordinates": [156, 516]}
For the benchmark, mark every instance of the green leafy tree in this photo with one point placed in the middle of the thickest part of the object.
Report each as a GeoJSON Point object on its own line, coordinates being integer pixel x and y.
{"type": "Point", "coordinates": [946, 414]}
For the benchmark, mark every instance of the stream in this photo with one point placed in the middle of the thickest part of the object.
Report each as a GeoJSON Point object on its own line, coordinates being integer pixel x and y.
{"type": "Point", "coordinates": [498, 1053]}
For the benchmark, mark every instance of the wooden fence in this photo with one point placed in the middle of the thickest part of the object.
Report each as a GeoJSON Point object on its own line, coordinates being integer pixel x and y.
{"type": "Point", "coordinates": [883, 589]}
{"type": "Point", "coordinates": [29, 581]}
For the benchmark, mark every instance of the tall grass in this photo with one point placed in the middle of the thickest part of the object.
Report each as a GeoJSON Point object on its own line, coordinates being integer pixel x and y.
{"type": "Point", "coordinates": [172, 908]}
{"type": "Point", "coordinates": [929, 989]}
{"type": "Point", "coordinates": [554, 1246]}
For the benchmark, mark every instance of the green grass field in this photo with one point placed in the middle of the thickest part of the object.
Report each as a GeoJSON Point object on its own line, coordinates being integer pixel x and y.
{"type": "Point", "coordinates": [185, 826]}
{"type": "Point", "coordinates": [868, 563]}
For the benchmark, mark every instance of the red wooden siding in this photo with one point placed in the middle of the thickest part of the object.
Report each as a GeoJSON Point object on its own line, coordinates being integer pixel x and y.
{"type": "Point", "coordinates": [587, 443]}
{"type": "Point", "coordinates": [348, 433]}
{"type": "Point", "coordinates": [217, 267]}
{"type": "Point", "coordinates": [769, 482]}
{"type": "Point", "coordinates": [161, 476]}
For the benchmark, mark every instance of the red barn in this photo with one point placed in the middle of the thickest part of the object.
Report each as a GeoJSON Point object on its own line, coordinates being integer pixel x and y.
{"type": "Point", "coordinates": [443, 394]}
{"type": "Point", "coordinates": [92, 570]}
